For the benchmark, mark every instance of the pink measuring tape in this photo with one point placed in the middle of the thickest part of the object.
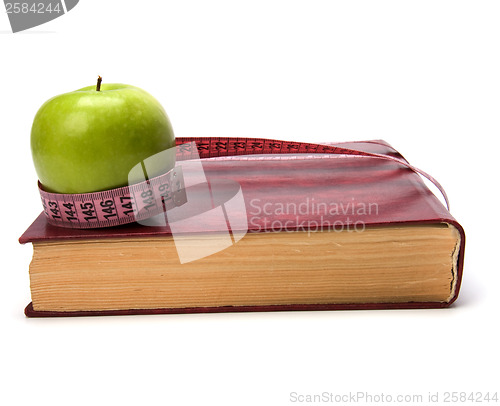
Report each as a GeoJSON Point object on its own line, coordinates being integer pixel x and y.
{"type": "Point", "coordinates": [157, 195]}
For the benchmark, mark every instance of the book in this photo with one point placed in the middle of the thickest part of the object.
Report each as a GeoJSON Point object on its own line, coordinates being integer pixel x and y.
{"type": "Point", "coordinates": [298, 232]}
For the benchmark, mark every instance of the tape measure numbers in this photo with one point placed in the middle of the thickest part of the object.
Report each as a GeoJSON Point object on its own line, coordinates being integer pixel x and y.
{"type": "Point", "coordinates": [117, 206]}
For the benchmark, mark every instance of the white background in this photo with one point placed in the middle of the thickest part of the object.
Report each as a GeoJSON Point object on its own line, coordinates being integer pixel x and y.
{"type": "Point", "coordinates": [423, 75]}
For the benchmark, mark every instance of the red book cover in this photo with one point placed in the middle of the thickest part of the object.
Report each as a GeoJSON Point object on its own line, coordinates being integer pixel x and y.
{"type": "Point", "coordinates": [350, 183]}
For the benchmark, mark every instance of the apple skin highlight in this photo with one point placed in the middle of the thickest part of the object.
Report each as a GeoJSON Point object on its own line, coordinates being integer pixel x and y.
{"type": "Point", "coordinates": [88, 140]}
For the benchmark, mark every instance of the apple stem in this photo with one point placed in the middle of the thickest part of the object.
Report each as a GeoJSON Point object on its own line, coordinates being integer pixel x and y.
{"type": "Point", "coordinates": [98, 87]}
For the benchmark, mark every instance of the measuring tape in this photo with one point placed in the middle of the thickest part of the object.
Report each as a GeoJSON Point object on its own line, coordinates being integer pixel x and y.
{"type": "Point", "coordinates": [157, 195]}
{"type": "Point", "coordinates": [116, 206]}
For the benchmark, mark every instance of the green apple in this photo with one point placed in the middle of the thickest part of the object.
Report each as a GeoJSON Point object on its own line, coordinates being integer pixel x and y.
{"type": "Point", "coordinates": [89, 140]}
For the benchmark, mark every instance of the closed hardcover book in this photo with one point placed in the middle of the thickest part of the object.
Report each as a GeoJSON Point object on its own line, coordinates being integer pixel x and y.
{"type": "Point", "coordinates": [288, 232]}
